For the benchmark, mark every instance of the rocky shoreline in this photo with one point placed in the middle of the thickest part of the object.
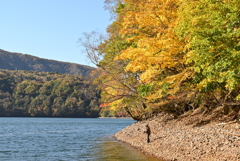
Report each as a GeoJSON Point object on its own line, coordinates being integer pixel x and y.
{"type": "Point", "coordinates": [185, 139]}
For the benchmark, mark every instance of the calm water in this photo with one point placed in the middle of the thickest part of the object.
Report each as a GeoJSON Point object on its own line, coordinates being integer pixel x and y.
{"type": "Point", "coordinates": [64, 139]}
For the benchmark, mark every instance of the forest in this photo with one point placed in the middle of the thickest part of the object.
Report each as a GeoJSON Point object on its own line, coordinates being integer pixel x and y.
{"type": "Point", "coordinates": [18, 61]}
{"type": "Point", "coordinates": [179, 57]}
{"type": "Point", "coordinates": [47, 94]}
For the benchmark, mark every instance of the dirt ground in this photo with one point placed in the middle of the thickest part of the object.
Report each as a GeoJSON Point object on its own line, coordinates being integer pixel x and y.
{"type": "Point", "coordinates": [185, 139]}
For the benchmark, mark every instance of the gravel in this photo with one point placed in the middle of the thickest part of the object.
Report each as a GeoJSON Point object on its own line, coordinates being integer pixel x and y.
{"type": "Point", "coordinates": [178, 140]}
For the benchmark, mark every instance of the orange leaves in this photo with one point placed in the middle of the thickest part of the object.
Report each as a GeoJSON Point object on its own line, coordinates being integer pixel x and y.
{"type": "Point", "coordinates": [104, 105]}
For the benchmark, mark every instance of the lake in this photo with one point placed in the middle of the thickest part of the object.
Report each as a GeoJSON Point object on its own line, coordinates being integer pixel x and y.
{"type": "Point", "coordinates": [65, 139]}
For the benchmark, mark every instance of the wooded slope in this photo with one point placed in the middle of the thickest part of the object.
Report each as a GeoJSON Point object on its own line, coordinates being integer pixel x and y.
{"type": "Point", "coordinates": [29, 93]}
{"type": "Point", "coordinates": [18, 61]}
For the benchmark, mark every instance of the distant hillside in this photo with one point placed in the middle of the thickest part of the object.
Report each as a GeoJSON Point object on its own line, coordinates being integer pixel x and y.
{"type": "Point", "coordinates": [47, 94]}
{"type": "Point", "coordinates": [18, 61]}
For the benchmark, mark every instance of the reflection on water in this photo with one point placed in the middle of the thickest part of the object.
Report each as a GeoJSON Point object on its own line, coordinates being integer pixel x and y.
{"type": "Point", "coordinates": [112, 150]}
{"type": "Point", "coordinates": [65, 139]}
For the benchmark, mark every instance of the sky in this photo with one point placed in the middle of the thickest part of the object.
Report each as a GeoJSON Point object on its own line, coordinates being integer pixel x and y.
{"type": "Point", "coordinates": [50, 29]}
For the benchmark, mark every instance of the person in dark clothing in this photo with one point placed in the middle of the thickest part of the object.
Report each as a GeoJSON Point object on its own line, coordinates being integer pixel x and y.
{"type": "Point", "coordinates": [148, 132]}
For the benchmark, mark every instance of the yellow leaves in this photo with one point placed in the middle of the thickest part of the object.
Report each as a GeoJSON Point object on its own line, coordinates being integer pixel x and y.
{"type": "Point", "coordinates": [202, 84]}
{"type": "Point", "coordinates": [115, 105]}
{"type": "Point", "coordinates": [238, 98]}
{"type": "Point", "coordinates": [150, 74]}
{"type": "Point", "coordinates": [111, 90]}
{"type": "Point", "coordinates": [175, 80]}
{"type": "Point", "coordinates": [155, 54]}
{"type": "Point", "coordinates": [156, 57]}
{"type": "Point", "coordinates": [151, 56]}
{"type": "Point", "coordinates": [135, 67]}
{"type": "Point", "coordinates": [152, 26]}
{"type": "Point", "coordinates": [189, 55]}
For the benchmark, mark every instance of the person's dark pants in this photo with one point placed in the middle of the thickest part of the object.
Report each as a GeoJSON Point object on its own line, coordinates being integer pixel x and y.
{"type": "Point", "coordinates": [148, 138]}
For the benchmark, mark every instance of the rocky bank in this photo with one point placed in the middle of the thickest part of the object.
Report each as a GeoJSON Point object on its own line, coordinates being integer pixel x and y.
{"type": "Point", "coordinates": [185, 139]}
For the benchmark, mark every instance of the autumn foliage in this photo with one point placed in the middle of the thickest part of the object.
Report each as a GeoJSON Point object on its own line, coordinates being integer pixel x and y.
{"type": "Point", "coordinates": [171, 56]}
{"type": "Point", "coordinates": [49, 94]}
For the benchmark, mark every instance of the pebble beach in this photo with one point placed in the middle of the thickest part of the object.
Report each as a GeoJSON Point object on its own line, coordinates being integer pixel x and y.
{"type": "Point", "coordinates": [184, 139]}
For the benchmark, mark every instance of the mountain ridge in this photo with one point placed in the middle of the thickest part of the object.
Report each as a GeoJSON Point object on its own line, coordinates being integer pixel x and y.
{"type": "Point", "coordinates": [19, 61]}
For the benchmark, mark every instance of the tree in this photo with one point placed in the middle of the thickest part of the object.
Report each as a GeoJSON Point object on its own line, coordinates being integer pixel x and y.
{"type": "Point", "coordinates": [118, 87]}
{"type": "Point", "coordinates": [210, 29]}
{"type": "Point", "coordinates": [47, 94]}
{"type": "Point", "coordinates": [157, 55]}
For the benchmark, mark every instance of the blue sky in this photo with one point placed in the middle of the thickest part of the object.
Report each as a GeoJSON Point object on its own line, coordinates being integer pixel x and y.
{"type": "Point", "coordinates": [50, 28]}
